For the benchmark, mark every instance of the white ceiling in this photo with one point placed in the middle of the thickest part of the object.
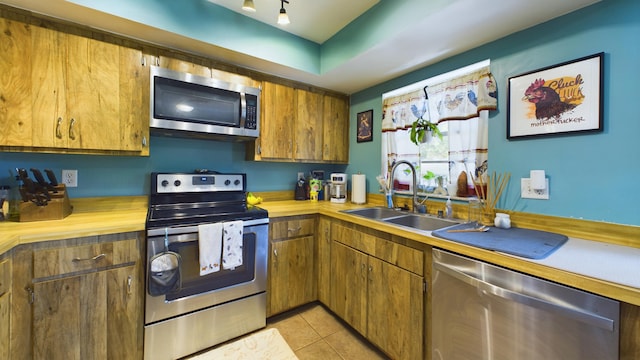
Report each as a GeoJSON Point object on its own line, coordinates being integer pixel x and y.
{"type": "Point", "coordinates": [315, 20]}
{"type": "Point", "coordinates": [392, 55]}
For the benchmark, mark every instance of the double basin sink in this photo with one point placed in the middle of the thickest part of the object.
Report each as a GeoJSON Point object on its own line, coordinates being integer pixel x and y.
{"type": "Point", "coordinates": [414, 221]}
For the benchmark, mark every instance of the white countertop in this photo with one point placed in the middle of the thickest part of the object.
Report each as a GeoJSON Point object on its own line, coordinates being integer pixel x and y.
{"type": "Point", "coordinates": [614, 263]}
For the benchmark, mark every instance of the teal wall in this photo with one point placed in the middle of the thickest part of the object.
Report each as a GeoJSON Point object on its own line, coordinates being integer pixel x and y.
{"type": "Point", "coordinates": [100, 175]}
{"type": "Point", "coordinates": [592, 176]}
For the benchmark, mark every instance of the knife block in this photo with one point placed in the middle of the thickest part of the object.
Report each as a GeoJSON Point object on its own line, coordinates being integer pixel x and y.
{"type": "Point", "coordinates": [59, 207]}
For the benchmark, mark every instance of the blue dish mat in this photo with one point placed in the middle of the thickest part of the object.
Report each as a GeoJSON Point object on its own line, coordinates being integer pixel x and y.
{"type": "Point", "coordinates": [532, 244]}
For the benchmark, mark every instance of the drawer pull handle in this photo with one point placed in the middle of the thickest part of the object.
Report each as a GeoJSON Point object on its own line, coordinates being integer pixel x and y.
{"type": "Point", "coordinates": [95, 258]}
{"type": "Point", "coordinates": [295, 230]}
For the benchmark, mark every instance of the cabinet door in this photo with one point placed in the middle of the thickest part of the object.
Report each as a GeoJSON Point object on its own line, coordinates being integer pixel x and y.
{"type": "Point", "coordinates": [395, 308]}
{"type": "Point", "coordinates": [349, 285]}
{"type": "Point", "coordinates": [50, 120]}
{"type": "Point", "coordinates": [323, 243]}
{"type": "Point", "coordinates": [92, 316]}
{"type": "Point", "coordinates": [69, 318]}
{"type": "Point", "coordinates": [184, 66]}
{"type": "Point", "coordinates": [278, 116]}
{"type": "Point", "coordinates": [336, 130]}
{"type": "Point", "coordinates": [75, 91]}
{"type": "Point", "coordinates": [15, 84]}
{"type": "Point", "coordinates": [92, 82]}
{"type": "Point", "coordinates": [308, 126]}
{"type": "Point", "coordinates": [292, 274]}
{"type": "Point", "coordinates": [125, 294]}
{"type": "Point", "coordinates": [5, 326]}
{"type": "Point", "coordinates": [134, 102]}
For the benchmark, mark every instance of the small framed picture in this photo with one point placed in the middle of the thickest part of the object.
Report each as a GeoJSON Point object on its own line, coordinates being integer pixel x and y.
{"type": "Point", "coordinates": [562, 99]}
{"type": "Point", "coordinates": [365, 126]}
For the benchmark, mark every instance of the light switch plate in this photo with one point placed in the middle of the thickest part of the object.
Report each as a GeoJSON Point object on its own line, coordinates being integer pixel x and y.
{"type": "Point", "coordinates": [526, 192]}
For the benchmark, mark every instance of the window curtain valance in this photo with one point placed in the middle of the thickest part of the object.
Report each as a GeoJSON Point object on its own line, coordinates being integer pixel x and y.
{"type": "Point", "coordinates": [397, 111]}
{"type": "Point", "coordinates": [463, 97]}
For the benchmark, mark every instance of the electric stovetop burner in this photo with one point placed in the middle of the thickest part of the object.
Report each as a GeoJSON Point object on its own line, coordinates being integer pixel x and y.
{"type": "Point", "coordinates": [180, 199]}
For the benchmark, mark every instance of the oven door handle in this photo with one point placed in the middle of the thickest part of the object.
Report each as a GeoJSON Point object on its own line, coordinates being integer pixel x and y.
{"type": "Point", "coordinates": [194, 229]}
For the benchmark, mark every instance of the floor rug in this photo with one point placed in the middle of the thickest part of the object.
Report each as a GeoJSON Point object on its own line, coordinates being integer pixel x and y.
{"type": "Point", "coordinates": [265, 344]}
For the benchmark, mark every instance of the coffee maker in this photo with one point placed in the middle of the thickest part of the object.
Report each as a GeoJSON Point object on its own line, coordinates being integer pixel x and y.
{"type": "Point", "coordinates": [339, 188]}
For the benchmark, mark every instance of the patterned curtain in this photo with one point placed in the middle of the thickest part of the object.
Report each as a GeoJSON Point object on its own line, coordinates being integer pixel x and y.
{"type": "Point", "coordinates": [463, 102]}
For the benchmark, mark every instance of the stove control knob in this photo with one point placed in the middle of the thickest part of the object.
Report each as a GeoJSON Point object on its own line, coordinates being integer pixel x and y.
{"type": "Point", "coordinates": [227, 182]}
{"type": "Point", "coordinates": [164, 183]}
{"type": "Point", "coordinates": [237, 182]}
{"type": "Point", "coordinates": [177, 183]}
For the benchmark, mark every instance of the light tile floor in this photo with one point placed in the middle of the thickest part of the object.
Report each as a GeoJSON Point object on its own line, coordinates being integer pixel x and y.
{"type": "Point", "coordinates": [313, 332]}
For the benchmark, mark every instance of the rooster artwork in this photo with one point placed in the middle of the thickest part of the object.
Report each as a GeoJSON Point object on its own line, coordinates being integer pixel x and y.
{"type": "Point", "coordinates": [547, 101]}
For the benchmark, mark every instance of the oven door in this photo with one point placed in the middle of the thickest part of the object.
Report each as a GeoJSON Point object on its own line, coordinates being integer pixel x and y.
{"type": "Point", "coordinates": [200, 292]}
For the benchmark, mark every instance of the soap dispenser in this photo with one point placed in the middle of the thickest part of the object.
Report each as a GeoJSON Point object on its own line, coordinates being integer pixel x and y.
{"type": "Point", "coordinates": [448, 208]}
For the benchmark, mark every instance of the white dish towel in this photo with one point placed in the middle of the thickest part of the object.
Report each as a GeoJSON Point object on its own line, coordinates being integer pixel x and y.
{"type": "Point", "coordinates": [232, 244]}
{"type": "Point", "coordinates": [210, 246]}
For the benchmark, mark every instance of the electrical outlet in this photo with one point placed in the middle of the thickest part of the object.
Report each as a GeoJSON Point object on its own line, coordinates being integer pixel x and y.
{"type": "Point", "coordinates": [70, 178]}
{"type": "Point", "coordinates": [526, 192]}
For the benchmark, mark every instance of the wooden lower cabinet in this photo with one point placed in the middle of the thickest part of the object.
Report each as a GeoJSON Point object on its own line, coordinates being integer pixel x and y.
{"type": "Point", "coordinates": [83, 299]}
{"type": "Point", "coordinates": [323, 257]}
{"type": "Point", "coordinates": [90, 316]}
{"type": "Point", "coordinates": [291, 269]}
{"type": "Point", "coordinates": [5, 306]}
{"type": "Point", "coordinates": [374, 294]}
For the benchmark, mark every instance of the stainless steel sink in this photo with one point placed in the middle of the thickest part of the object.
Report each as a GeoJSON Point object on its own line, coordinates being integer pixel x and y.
{"type": "Point", "coordinates": [376, 213]}
{"type": "Point", "coordinates": [402, 218]}
{"type": "Point", "coordinates": [421, 222]}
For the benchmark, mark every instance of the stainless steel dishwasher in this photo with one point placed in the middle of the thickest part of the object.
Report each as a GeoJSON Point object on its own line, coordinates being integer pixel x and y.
{"type": "Point", "coordinates": [482, 311]}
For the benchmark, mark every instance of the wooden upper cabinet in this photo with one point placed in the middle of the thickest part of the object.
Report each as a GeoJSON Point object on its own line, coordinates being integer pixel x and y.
{"type": "Point", "coordinates": [68, 93]}
{"type": "Point", "coordinates": [308, 126]}
{"type": "Point", "coordinates": [302, 126]}
{"type": "Point", "coordinates": [183, 66]}
{"type": "Point", "coordinates": [76, 91]}
{"type": "Point", "coordinates": [276, 127]}
{"type": "Point", "coordinates": [15, 84]}
{"type": "Point", "coordinates": [336, 130]}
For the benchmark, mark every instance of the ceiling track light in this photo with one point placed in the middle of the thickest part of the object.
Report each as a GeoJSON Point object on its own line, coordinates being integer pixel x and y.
{"type": "Point", "coordinates": [283, 18]}
{"type": "Point", "coordinates": [247, 5]}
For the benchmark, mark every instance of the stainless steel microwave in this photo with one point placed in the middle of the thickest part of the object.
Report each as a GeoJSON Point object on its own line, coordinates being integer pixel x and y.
{"type": "Point", "coordinates": [188, 105]}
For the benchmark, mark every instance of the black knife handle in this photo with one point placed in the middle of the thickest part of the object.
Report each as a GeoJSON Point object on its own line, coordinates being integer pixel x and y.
{"type": "Point", "coordinates": [39, 178]}
{"type": "Point", "coordinates": [52, 177]}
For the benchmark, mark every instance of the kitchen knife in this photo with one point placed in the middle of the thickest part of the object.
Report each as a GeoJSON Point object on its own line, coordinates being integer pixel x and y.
{"type": "Point", "coordinates": [30, 191]}
{"type": "Point", "coordinates": [52, 177]}
{"type": "Point", "coordinates": [41, 181]}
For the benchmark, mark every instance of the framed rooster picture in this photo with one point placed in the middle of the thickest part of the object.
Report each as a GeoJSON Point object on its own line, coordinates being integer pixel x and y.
{"type": "Point", "coordinates": [557, 100]}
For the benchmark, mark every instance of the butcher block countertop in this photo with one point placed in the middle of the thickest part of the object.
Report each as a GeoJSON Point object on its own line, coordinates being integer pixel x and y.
{"type": "Point", "coordinates": [606, 269]}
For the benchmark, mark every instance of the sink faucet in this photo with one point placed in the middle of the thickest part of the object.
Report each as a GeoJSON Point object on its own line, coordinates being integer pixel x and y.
{"type": "Point", "coordinates": [415, 182]}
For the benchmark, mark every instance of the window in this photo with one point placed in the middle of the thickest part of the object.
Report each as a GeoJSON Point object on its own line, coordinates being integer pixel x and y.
{"type": "Point", "coordinates": [458, 103]}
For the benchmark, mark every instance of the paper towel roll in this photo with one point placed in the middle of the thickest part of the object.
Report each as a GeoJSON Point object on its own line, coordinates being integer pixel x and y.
{"type": "Point", "coordinates": [358, 189]}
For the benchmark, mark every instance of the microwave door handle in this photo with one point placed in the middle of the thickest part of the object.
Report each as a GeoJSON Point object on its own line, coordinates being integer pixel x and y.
{"type": "Point", "coordinates": [487, 288]}
{"type": "Point", "coordinates": [243, 109]}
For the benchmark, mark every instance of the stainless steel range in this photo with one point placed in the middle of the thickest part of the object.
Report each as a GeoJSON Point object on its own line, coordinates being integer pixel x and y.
{"type": "Point", "coordinates": [187, 311]}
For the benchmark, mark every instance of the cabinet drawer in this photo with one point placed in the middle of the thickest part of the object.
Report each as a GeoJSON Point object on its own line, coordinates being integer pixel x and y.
{"type": "Point", "coordinates": [64, 260]}
{"type": "Point", "coordinates": [291, 228]}
{"type": "Point", "coordinates": [397, 254]}
{"type": "Point", "coordinates": [5, 276]}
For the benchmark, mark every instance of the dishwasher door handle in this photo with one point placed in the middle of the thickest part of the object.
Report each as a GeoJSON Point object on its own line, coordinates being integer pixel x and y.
{"type": "Point", "coordinates": [488, 288]}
